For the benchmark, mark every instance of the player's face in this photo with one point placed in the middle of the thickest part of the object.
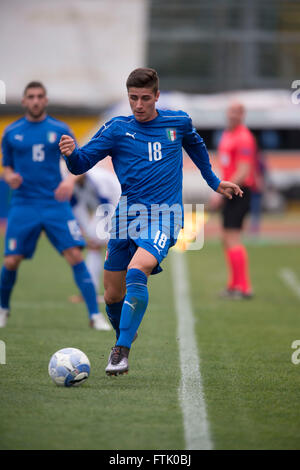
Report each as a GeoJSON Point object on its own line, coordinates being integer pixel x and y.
{"type": "Point", "coordinates": [35, 102]}
{"type": "Point", "coordinates": [235, 115]}
{"type": "Point", "coordinates": [142, 102]}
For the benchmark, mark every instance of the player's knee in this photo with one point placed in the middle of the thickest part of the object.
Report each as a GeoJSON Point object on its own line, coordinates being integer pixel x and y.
{"type": "Point", "coordinates": [12, 262]}
{"type": "Point", "coordinates": [146, 269]}
{"type": "Point", "coordinates": [114, 283]}
{"type": "Point", "coordinates": [112, 299]}
{"type": "Point", "coordinates": [113, 296]}
{"type": "Point", "coordinates": [73, 256]}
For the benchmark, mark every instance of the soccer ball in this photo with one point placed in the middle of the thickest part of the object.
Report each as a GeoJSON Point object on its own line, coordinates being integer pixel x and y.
{"type": "Point", "coordinates": [69, 367]}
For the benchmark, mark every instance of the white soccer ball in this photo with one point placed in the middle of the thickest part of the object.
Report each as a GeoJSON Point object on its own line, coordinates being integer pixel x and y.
{"type": "Point", "coordinates": [69, 367]}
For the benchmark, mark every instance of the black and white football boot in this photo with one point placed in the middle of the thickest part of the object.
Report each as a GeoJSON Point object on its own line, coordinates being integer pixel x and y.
{"type": "Point", "coordinates": [118, 361]}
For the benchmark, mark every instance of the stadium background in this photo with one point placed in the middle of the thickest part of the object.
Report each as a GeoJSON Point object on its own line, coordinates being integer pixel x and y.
{"type": "Point", "coordinates": [206, 52]}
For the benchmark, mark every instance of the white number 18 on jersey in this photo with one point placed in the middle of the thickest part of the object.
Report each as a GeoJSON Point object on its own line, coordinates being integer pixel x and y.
{"type": "Point", "coordinates": [154, 149]}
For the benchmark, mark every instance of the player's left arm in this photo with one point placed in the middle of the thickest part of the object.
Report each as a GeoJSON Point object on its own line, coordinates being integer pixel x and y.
{"type": "Point", "coordinates": [195, 147]}
{"type": "Point", "coordinates": [227, 189]}
{"type": "Point", "coordinates": [241, 173]}
{"type": "Point", "coordinates": [245, 157]}
{"type": "Point", "coordinates": [65, 189]}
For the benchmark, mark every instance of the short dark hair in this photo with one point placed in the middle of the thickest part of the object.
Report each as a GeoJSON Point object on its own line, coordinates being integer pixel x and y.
{"type": "Point", "coordinates": [143, 77]}
{"type": "Point", "coordinates": [34, 84]}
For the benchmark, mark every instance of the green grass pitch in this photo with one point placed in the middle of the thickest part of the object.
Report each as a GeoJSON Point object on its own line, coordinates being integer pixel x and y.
{"type": "Point", "coordinates": [251, 386]}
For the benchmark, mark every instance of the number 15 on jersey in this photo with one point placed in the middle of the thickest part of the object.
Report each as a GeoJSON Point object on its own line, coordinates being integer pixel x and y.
{"type": "Point", "coordinates": [38, 153]}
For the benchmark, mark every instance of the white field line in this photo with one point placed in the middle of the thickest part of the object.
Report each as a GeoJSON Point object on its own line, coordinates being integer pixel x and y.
{"type": "Point", "coordinates": [196, 428]}
{"type": "Point", "coordinates": [290, 278]}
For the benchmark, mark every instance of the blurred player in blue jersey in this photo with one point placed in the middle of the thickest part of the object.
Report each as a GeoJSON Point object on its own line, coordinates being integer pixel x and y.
{"type": "Point", "coordinates": [146, 151]}
{"type": "Point", "coordinates": [31, 161]}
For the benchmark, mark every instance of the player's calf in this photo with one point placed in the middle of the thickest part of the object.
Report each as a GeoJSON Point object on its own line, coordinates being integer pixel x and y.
{"type": "Point", "coordinates": [7, 281]}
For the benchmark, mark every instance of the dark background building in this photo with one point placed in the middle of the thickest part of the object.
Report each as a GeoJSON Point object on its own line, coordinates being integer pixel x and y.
{"type": "Point", "coordinates": [202, 46]}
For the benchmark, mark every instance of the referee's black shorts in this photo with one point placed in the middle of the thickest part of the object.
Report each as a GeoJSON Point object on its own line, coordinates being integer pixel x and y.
{"type": "Point", "coordinates": [235, 209]}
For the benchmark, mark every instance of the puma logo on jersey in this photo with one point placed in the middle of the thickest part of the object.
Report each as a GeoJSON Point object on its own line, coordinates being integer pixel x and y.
{"type": "Point", "coordinates": [157, 249]}
{"type": "Point", "coordinates": [131, 135]}
{"type": "Point", "coordinates": [19, 137]}
{"type": "Point", "coordinates": [130, 305]}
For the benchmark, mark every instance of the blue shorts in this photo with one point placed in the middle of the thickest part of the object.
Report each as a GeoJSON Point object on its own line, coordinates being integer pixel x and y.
{"type": "Point", "coordinates": [120, 251]}
{"type": "Point", "coordinates": [26, 222]}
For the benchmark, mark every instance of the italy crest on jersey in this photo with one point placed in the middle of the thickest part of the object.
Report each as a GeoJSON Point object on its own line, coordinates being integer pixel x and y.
{"type": "Point", "coordinates": [52, 136]}
{"type": "Point", "coordinates": [171, 134]}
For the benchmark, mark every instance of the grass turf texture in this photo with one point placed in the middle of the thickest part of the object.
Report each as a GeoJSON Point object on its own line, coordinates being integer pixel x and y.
{"type": "Point", "coordinates": [251, 386]}
{"type": "Point", "coordinates": [141, 409]}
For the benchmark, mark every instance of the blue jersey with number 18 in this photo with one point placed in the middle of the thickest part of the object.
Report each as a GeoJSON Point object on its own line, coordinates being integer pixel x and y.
{"type": "Point", "coordinates": [147, 156]}
{"type": "Point", "coordinates": [31, 149]}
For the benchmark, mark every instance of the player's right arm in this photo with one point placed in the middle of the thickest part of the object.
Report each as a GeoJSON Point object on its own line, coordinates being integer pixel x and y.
{"type": "Point", "coordinates": [10, 176]}
{"type": "Point", "coordinates": [80, 160]}
{"type": "Point", "coordinates": [13, 179]}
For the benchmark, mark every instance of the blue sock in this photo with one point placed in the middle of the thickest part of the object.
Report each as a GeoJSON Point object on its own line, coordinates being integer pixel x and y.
{"type": "Point", "coordinates": [85, 284]}
{"type": "Point", "coordinates": [114, 314]}
{"type": "Point", "coordinates": [134, 307]}
{"type": "Point", "coordinates": [7, 282]}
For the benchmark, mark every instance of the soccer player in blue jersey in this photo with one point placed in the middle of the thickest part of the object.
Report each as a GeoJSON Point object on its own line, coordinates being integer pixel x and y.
{"type": "Point", "coordinates": [146, 151]}
{"type": "Point", "coordinates": [31, 162]}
